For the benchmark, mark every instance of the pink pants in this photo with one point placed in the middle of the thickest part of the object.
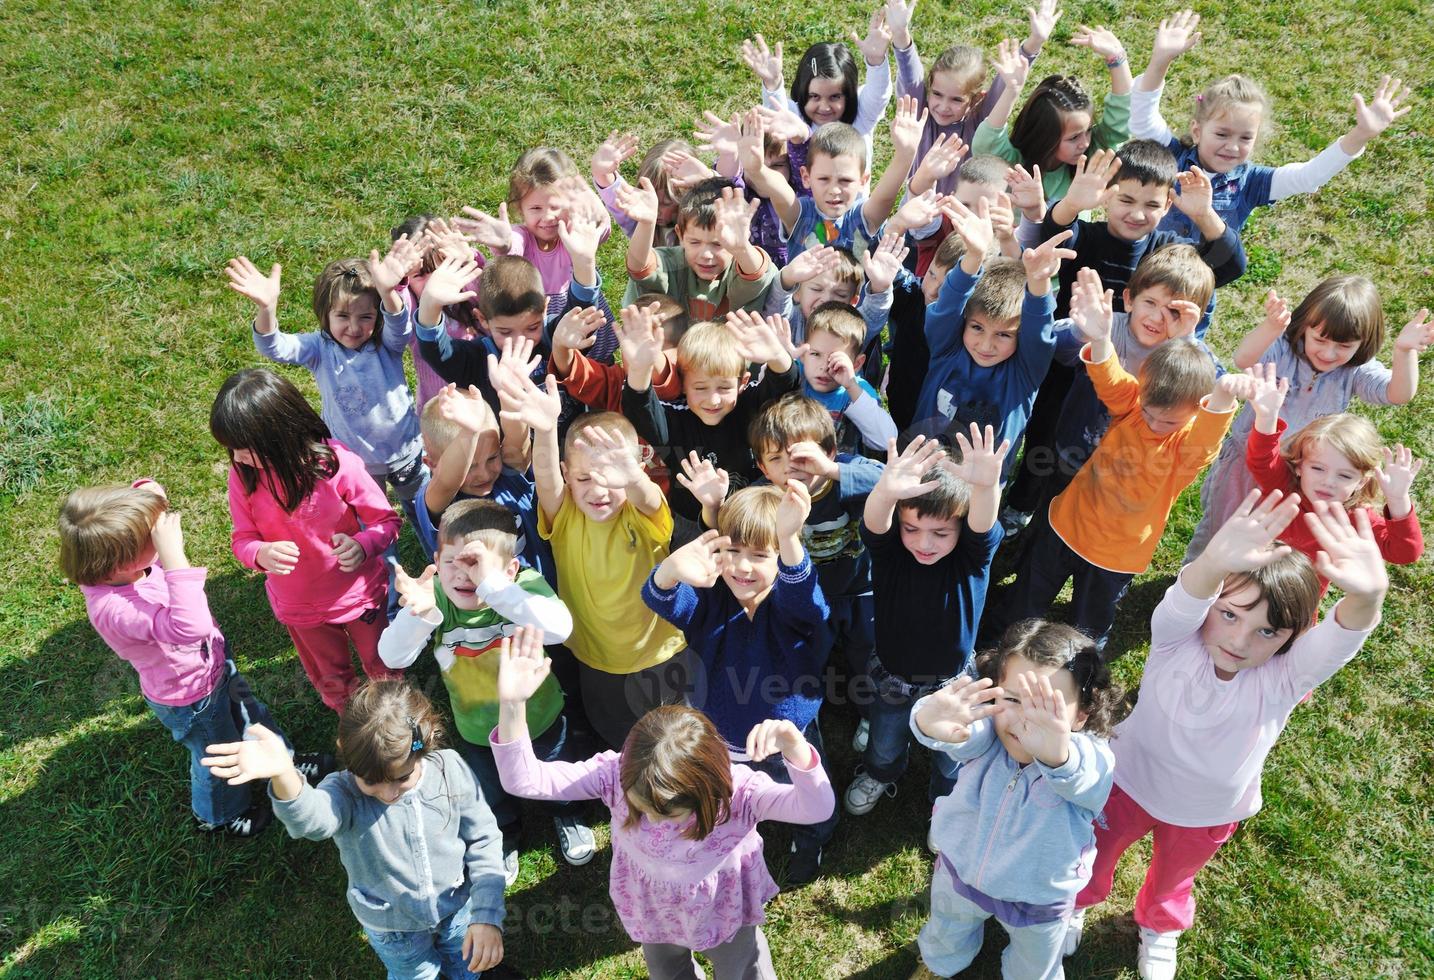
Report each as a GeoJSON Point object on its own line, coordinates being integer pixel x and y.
{"type": "Point", "coordinates": [1165, 902]}
{"type": "Point", "coordinates": [324, 652]}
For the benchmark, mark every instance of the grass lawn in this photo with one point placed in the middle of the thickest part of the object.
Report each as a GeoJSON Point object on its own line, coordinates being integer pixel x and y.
{"type": "Point", "coordinates": [147, 141]}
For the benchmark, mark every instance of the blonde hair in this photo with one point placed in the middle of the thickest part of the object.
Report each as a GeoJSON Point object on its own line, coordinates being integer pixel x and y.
{"type": "Point", "coordinates": [608, 421]}
{"type": "Point", "coordinates": [1179, 269]}
{"type": "Point", "coordinates": [1353, 437]}
{"type": "Point", "coordinates": [749, 517]}
{"type": "Point", "coordinates": [540, 167]}
{"type": "Point", "coordinates": [439, 432]}
{"type": "Point", "coordinates": [710, 348]}
{"type": "Point", "coordinates": [102, 529]}
{"type": "Point", "coordinates": [1000, 291]}
{"type": "Point", "coordinates": [842, 321]}
{"type": "Point", "coordinates": [967, 63]}
{"type": "Point", "coordinates": [1347, 309]}
{"type": "Point", "coordinates": [1228, 93]}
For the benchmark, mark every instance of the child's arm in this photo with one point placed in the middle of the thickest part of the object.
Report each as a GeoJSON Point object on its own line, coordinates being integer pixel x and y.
{"type": "Point", "coordinates": [640, 203]}
{"type": "Point", "coordinates": [955, 716]}
{"type": "Point", "coordinates": [901, 480]}
{"type": "Point", "coordinates": [1175, 36]}
{"type": "Point", "coordinates": [1370, 121]}
{"type": "Point", "coordinates": [1255, 343]}
{"type": "Point", "coordinates": [539, 408]}
{"type": "Point", "coordinates": [906, 130]}
{"type": "Point", "coordinates": [616, 465]}
{"type": "Point", "coordinates": [1412, 341]}
{"type": "Point", "coordinates": [707, 483]}
{"type": "Point", "coordinates": [404, 638]}
{"type": "Point", "coordinates": [980, 467]}
{"type": "Point", "coordinates": [808, 798]}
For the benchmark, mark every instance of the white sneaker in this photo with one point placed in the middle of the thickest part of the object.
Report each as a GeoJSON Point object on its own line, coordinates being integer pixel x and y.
{"type": "Point", "coordinates": [1074, 925]}
{"type": "Point", "coordinates": [1156, 959]}
{"type": "Point", "coordinates": [860, 737]}
{"type": "Point", "coordinates": [864, 793]}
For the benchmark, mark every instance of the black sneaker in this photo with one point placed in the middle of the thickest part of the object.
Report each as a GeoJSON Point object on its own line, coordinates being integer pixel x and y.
{"type": "Point", "coordinates": [805, 864]}
{"type": "Point", "coordinates": [314, 766]}
{"type": "Point", "coordinates": [250, 823]}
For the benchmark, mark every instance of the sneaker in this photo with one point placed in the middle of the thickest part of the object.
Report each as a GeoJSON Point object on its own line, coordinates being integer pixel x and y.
{"type": "Point", "coordinates": [865, 792]}
{"type": "Point", "coordinates": [860, 737]}
{"type": "Point", "coordinates": [510, 865]}
{"type": "Point", "coordinates": [575, 840]}
{"type": "Point", "coordinates": [1013, 521]}
{"type": "Point", "coordinates": [1156, 959]}
{"type": "Point", "coordinates": [250, 823]}
{"type": "Point", "coordinates": [805, 865]}
{"type": "Point", "coordinates": [314, 766]}
{"type": "Point", "coordinates": [1074, 925]}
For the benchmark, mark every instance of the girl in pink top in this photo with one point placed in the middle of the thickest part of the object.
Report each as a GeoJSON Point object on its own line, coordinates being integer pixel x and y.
{"type": "Point", "coordinates": [1232, 651]}
{"type": "Point", "coordinates": [687, 866]}
{"type": "Point", "coordinates": [307, 514]}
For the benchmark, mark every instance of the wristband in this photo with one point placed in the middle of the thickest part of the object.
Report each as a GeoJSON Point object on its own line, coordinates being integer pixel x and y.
{"type": "Point", "coordinates": [1115, 62]}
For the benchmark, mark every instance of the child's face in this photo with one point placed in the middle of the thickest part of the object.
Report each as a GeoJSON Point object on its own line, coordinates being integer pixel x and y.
{"type": "Point", "coordinates": [989, 341]}
{"type": "Point", "coordinates": [835, 182]}
{"type": "Point", "coordinates": [461, 566]}
{"type": "Point", "coordinates": [825, 101]}
{"type": "Point", "coordinates": [543, 208]}
{"type": "Point", "coordinates": [1152, 317]}
{"type": "Point", "coordinates": [596, 503]}
{"type": "Point", "coordinates": [929, 539]}
{"type": "Point", "coordinates": [1008, 719]}
{"type": "Point", "coordinates": [1227, 140]}
{"type": "Point", "coordinates": [519, 326]}
{"type": "Point", "coordinates": [390, 791]}
{"type": "Point", "coordinates": [1075, 137]}
{"type": "Point", "coordinates": [749, 572]}
{"type": "Point", "coordinates": [931, 282]}
{"type": "Point", "coordinates": [1325, 354]}
{"type": "Point", "coordinates": [775, 462]}
{"type": "Point", "coordinates": [1237, 633]}
{"type": "Point", "coordinates": [825, 288]}
{"type": "Point", "coordinates": [1133, 210]}
{"type": "Point", "coordinates": [1327, 474]}
{"type": "Point", "coordinates": [1164, 420]}
{"type": "Point", "coordinates": [711, 398]}
{"type": "Point", "coordinates": [947, 100]}
{"type": "Point", "coordinates": [702, 248]}
{"type": "Point", "coordinates": [820, 347]}
{"type": "Point", "coordinates": [352, 322]}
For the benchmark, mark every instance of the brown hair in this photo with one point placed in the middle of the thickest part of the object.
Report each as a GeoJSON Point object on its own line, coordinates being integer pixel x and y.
{"type": "Point", "coordinates": [790, 419]}
{"type": "Point", "coordinates": [539, 167]}
{"type": "Point", "coordinates": [1036, 133]}
{"type": "Point", "coordinates": [512, 286]}
{"type": "Point", "coordinates": [1000, 291]}
{"type": "Point", "coordinates": [950, 499]}
{"type": "Point", "coordinates": [1177, 373]}
{"type": "Point", "coordinates": [842, 321]}
{"type": "Point", "coordinates": [674, 760]}
{"type": "Point", "coordinates": [483, 520]}
{"type": "Point", "coordinates": [440, 432]}
{"type": "Point", "coordinates": [710, 348]}
{"type": "Point", "coordinates": [1353, 437]}
{"type": "Point", "coordinates": [387, 727]}
{"type": "Point", "coordinates": [1346, 308]}
{"type": "Point", "coordinates": [967, 63]}
{"type": "Point", "coordinates": [102, 529]}
{"type": "Point", "coordinates": [608, 421]}
{"type": "Point", "coordinates": [1048, 644]}
{"type": "Point", "coordinates": [342, 282]}
{"type": "Point", "coordinates": [1178, 268]}
{"type": "Point", "coordinates": [1291, 587]}
{"type": "Point", "coordinates": [837, 139]}
{"type": "Point", "coordinates": [749, 517]}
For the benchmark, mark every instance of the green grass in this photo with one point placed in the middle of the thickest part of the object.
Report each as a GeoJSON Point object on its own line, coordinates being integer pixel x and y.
{"type": "Point", "coordinates": [148, 141]}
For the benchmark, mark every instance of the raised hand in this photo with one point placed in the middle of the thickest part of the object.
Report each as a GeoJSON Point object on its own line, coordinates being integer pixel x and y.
{"type": "Point", "coordinates": [948, 715]}
{"type": "Point", "coordinates": [609, 156]}
{"type": "Point", "coordinates": [1043, 20]}
{"type": "Point", "coordinates": [783, 124]}
{"type": "Point", "coordinates": [1175, 36]}
{"type": "Point", "coordinates": [707, 483]}
{"type": "Point", "coordinates": [981, 458]}
{"type": "Point", "coordinates": [793, 511]}
{"type": "Point", "coordinates": [577, 330]}
{"type": "Point", "coordinates": [1379, 114]}
{"type": "Point", "coordinates": [1041, 725]}
{"type": "Point", "coordinates": [1417, 334]}
{"type": "Point", "coordinates": [467, 410]}
{"type": "Point", "coordinates": [614, 462]}
{"type": "Point", "coordinates": [640, 339]}
{"type": "Point", "coordinates": [1091, 182]}
{"type": "Point", "coordinates": [698, 563]}
{"type": "Point", "coordinates": [1396, 476]}
{"type": "Point", "coordinates": [277, 557]}
{"type": "Point", "coordinates": [878, 38]}
{"type": "Point", "coordinates": [1348, 554]}
{"type": "Point", "coordinates": [902, 478]}
{"type": "Point", "coordinates": [1266, 395]}
{"type": "Point", "coordinates": [638, 203]}
{"type": "Point", "coordinates": [758, 342]}
{"type": "Point", "coordinates": [765, 63]}
{"type": "Point", "coordinates": [522, 665]}
{"type": "Point", "coordinates": [883, 263]}
{"type": "Point", "coordinates": [494, 233]}
{"type": "Point", "coordinates": [1247, 540]}
{"type": "Point", "coordinates": [811, 264]}
{"type": "Point", "coordinates": [717, 134]}
{"type": "Point", "coordinates": [1044, 261]}
{"type": "Point", "coordinates": [246, 280]}
{"type": "Point", "coordinates": [445, 284]}
{"type": "Point", "coordinates": [1027, 191]}
{"type": "Point", "coordinates": [388, 272]}
{"type": "Point", "coordinates": [898, 21]}
{"type": "Point", "coordinates": [733, 215]}
{"type": "Point", "coordinates": [777, 735]}
{"type": "Point", "coordinates": [1196, 194]}
{"type": "Point", "coordinates": [1010, 66]}
{"type": "Point", "coordinates": [415, 594]}
{"type": "Point", "coordinates": [1100, 40]}
{"type": "Point", "coordinates": [261, 755]}
{"type": "Point", "coordinates": [1091, 307]}
{"type": "Point", "coordinates": [350, 553]}
{"type": "Point", "coordinates": [907, 126]}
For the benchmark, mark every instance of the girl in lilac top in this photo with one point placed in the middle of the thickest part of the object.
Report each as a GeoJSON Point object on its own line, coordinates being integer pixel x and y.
{"type": "Point", "coordinates": [687, 866]}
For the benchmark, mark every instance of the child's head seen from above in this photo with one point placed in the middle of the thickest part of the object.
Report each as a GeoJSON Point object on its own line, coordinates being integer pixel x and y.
{"type": "Point", "coordinates": [833, 328]}
{"type": "Point", "coordinates": [1071, 661]}
{"type": "Point", "coordinates": [993, 313]}
{"type": "Point", "coordinates": [1228, 118]}
{"type": "Point", "coordinates": [697, 230]}
{"type": "Point", "coordinates": [1340, 322]}
{"type": "Point", "coordinates": [347, 305]}
{"type": "Point", "coordinates": [540, 187]}
{"type": "Point", "coordinates": [780, 425]}
{"type": "Point", "coordinates": [1334, 459]}
{"type": "Point", "coordinates": [840, 284]}
{"type": "Point", "coordinates": [511, 301]}
{"type": "Point", "coordinates": [674, 767]}
{"type": "Point", "coordinates": [439, 433]}
{"type": "Point", "coordinates": [270, 429]}
{"type": "Point", "coordinates": [1259, 614]}
{"type": "Point", "coordinates": [836, 169]}
{"type": "Point", "coordinates": [1053, 128]}
{"type": "Point", "coordinates": [597, 502]}
{"type": "Point", "coordinates": [749, 564]}
{"type": "Point", "coordinates": [106, 533]}
{"type": "Point", "coordinates": [930, 525]}
{"type": "Point", "coordinates": [956, 84]}
{"type": "Point", "coordinates": [713, 369]}
{"type": "Point", "coordinates": [386, 731]}
{"type": "Point", "coordinates": [477, 539]}
{"type": "Point", "coordinates": [824, 88]}
{"type": "Point", "coordinates": [1173, 380]}
{"type": "Point", "coordinates": [1141, 193]}
{"type": "Point", "coordinates": [1175, 272]}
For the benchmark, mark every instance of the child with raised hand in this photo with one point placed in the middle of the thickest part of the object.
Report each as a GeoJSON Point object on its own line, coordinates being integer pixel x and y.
{"type": "Point", "coordinates": [747, 597]}
{"type": "Point", "coordinates": [124, 548]}
{"type": "Point", "coordinates": [1327, 349]}
{"type": "Point", "coordinates": [930, 528]}
{"type": "Point", "coordinates": [1339, 460]}
{"type": "Point", "coordinates": [1233, 650]}
{"type": "Point", "coordinates": [310, 517]}
{"type": "Point", "coordinates": [831, 360]}
{"type": "Point", "coordinates": [687, 870]}
{"type": "Point", "coordinates": [414, 832]}
{"type": "Point", "coordinates": [1054, 128]}
{"type": "Point", "coordinates": [955, 90]}
{"type": "Point", "coordinates": [1015, 837]}
{"type": "Point", "coordinates": [356, 360]}
{"type": "Point", "coordinates": [482, 594]}
{"type": "Point", "coordinates": [1225, 130]}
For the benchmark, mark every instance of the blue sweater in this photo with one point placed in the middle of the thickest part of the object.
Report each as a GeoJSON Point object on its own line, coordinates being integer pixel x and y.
{"type": "Point", "coordinates": [769, 666]}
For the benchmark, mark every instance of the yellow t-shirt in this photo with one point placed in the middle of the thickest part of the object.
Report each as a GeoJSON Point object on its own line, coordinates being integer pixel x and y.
{"type": "Point", "coordinates": [602, 567]}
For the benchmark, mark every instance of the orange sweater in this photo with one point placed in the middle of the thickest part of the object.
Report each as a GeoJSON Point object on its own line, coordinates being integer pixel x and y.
{"type": "Point", "coordinates": [1115, 509]}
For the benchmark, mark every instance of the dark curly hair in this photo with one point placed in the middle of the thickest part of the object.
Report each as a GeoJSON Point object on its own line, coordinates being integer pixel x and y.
{"type": "Point", "coordinates": [1048, 644]}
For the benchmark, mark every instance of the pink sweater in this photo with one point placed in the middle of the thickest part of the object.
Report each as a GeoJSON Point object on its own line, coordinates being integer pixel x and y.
{"type": "Point", "coordinates": [1192, 751]}
{"type": "Point", "coordinates": [666, 888]}
{"type": "Point", "coordinates": [162, 626]}
{"type": "Point", "coordinates": [317, 591]}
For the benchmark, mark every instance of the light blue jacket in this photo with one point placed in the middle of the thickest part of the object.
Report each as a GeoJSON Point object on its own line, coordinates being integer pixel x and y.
{"type": "Point", "coordinates": [415, 862]}
{"type": "Point", "coordinates": [1020, 833]}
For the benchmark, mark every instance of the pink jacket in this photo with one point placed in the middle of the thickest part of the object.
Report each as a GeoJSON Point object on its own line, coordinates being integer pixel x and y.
{"type": "Point", "coordinates": [317, 591]}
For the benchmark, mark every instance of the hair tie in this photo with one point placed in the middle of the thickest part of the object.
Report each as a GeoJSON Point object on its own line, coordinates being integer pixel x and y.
{"type": "Point", "coordinates": [417, 745]}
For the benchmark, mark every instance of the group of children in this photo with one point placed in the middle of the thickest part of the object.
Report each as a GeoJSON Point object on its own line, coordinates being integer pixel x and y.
{"type": "Point", "coordinates": [659, 534]}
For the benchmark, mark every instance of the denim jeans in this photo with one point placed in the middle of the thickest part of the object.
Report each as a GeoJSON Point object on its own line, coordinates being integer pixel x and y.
{"type": "Point", "coordinates": [219, 716]}
{"type": "Point", "coordinates": [551, 746]}
{"type": "Point", "coordinates": [807, 837]}
{"type": "Point", "coordinates": [427, 954]}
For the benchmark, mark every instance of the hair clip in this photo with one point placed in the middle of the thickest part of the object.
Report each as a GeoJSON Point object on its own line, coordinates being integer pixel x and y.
{"type": "Point", "coordinates": [417, 745]}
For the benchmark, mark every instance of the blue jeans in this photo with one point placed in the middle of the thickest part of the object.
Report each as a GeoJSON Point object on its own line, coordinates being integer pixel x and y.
{"type": "Point", "coordinates": [219, 716]}
{"type": "Point", "coordinates": [424, 955]}
{"type": "Point", "coordinates": [807, 837]}
{"type": "Point", "coordinates": [551, 746]}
